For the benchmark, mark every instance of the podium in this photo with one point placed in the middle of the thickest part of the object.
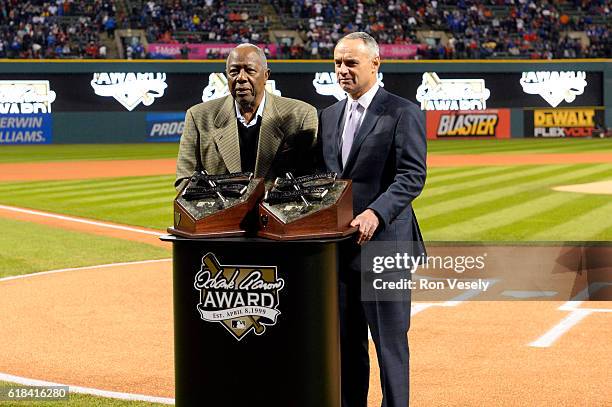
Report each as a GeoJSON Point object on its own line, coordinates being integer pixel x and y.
{"type": "Point", "coordinates": [256, 322]}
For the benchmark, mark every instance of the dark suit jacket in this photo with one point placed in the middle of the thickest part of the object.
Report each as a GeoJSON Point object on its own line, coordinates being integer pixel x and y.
{"type": "Point", "coordinates": [286, 139]}
{"type": "Point", "coordinates": [387, 162]}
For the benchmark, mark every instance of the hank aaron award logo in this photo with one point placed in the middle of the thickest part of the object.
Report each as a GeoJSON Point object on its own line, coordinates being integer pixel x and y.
{"type": "Point", "coordinates": [452, 94]}
{"type": "Point", "coordinates": [129, 88]}
{"type": "Point", "coordinates": [241, 298]}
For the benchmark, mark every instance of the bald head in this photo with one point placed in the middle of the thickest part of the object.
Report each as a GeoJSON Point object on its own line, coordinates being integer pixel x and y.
{"type": "Point", "coordinates": [248, 48]}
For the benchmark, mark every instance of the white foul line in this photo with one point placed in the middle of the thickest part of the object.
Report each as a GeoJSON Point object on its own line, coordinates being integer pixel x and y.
{"type": "Point", "coordinates": [42, 273]}
{"type": "Point", "coordinates": [78, 220]}
{"type": "Point", "coordinates": [562, 327]}
{"type": "Point", "coordinates": [576, 315]}
{"type": "Point", "coordinates": [87, 390]}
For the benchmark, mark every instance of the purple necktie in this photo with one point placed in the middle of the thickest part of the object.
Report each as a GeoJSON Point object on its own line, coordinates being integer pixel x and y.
{"type": "Point", "coordinates": [351, 129]}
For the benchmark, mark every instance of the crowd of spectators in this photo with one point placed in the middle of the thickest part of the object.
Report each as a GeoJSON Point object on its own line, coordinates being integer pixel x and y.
{"type": "Point", "coordinates": [475, 29]}
{"type": "Point", "coordinates": [54, 29]}
{"type": "Point", "coordinates": [472, 28]}
{"type": "Point", "coordinates": [201, 21]}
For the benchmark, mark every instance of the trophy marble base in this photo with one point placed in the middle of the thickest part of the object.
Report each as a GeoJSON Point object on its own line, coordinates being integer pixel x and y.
{"type": "Point", "coordinates": [330, 217]}
{"type": "Point", "coordinates": [209, 218]}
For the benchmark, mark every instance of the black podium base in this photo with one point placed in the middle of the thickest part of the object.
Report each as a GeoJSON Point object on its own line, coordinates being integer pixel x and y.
{"type": "Point", "coordinates": [256, 322]}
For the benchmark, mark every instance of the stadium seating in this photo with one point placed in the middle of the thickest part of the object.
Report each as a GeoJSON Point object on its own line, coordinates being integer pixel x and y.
{"type": "Point", "coordinates": [442, 29]}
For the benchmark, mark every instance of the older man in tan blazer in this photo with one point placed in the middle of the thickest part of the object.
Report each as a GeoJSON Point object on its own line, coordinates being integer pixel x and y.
{"type": "Point", "coordinates": [250, 129]}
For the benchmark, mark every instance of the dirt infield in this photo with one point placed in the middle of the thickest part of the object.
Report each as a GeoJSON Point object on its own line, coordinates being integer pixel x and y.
{"type": "Point", "coordinates": [111, 328]}
{"type": "Point", "coordinates": [108, 328]}
{"type": "Point", "coordinates": [124, 168]}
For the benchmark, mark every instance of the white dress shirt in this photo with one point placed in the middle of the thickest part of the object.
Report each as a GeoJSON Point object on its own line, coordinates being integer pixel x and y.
{"type": "Point", "coordinates": [364, 101]}
{"type": "Point", "coordinates": [259, 113]}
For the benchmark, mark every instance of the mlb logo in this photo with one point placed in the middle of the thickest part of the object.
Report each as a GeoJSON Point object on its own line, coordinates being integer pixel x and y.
{"type": "Point", "coordinates": [238, 324]}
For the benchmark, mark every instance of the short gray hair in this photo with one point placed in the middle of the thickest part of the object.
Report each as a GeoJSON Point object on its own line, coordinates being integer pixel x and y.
{"type": "Point", "coordinates": [260, 52]}
{"type": "Point", "coordinates": [367, 39]}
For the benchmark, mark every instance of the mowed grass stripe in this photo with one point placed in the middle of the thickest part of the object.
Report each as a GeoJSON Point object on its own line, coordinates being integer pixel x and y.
{"type": "Point", "coordinates": [501, 218]}
{"type": "Point", "coordinates": [146, 204]}
{"type": "Point", "coordinates": [76, 152]}
{"type": "Point", "coordinates": [495, 197]}
{"type": "Point", "coordinates": [434, 180]}
{"type": "Point", "coordinates": [518, 146]}
{"type": "Point", "coordinates": [535, 147]}
{"type": "Point", "coordinates": [589, 219]}
{"type": "Point", "coordinates": [482, 190]}
{"type": "Point", "coordinates": [31, 247]}
{"type": "Point", "coordinates": [82, 192]}
{"type": "Point", "coordinates": [460, 183]}
{"type": "Point", "coordinates": [542, 228]}
{"type": "Point", "coordinates": [93, 192]}
{"type": "Point", "coordinates": [106, 196]}
{"type": "Point", "coordinates": [161, 200]}
{"type": "Point", "coordinates": [514, 220]}
{"type": "Point", "coordinates": [60, 187]}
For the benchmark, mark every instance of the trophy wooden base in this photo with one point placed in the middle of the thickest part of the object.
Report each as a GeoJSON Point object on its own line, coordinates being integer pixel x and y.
{"type": "Point", "coordinates": [329, 221]}
{"type": "Point", "coordinates": [234, 220]}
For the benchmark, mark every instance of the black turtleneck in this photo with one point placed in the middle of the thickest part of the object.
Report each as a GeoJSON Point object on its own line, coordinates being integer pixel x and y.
{"type": "Point", "coordinates": [248, 137]}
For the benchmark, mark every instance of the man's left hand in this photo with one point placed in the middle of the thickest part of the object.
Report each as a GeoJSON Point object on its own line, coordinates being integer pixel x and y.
{"type": "Point", "coordinates": [367, 221]}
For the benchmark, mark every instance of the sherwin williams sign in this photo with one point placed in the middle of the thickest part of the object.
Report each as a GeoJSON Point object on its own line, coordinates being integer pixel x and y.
{"type": "Point", "coordinates": [25, 129]}
{"type": "Point", "coordinates": [25, 112]}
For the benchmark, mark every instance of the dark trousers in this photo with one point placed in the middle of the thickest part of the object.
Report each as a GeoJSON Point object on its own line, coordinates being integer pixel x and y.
{"type": "Point", "coordinates": [389, 322]}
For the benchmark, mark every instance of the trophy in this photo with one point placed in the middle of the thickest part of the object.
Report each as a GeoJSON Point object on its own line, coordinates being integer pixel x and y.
{"type": "Point", "coordinates": [312, 206]}
{"type": "Point", "coordinates": [216, 205]}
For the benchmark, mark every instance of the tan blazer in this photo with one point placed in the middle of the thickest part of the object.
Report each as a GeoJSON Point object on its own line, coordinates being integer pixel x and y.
{"type": "Point", "coordinates": [286, 139]}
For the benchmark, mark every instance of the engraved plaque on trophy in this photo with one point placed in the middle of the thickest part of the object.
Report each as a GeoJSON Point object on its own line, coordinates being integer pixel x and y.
{"type": "Point", "coordinates": [312, 206]}
{"type": "Point", "coordinates": [217, 205]}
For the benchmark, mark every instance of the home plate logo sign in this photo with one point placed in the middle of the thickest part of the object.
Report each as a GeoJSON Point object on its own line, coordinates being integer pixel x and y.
{"type": "Point", "coordinates": [241, 298]}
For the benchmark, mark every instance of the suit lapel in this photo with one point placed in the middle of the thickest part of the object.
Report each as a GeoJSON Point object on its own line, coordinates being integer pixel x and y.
{"type": "Point", "coordinates": [270, 137]}
{"type": "Point", "coordinates": [339, 110]}
{"type": "Point", "coordinates": [375, 110]}
{"type": "Point", "coordinates": [226, 136]}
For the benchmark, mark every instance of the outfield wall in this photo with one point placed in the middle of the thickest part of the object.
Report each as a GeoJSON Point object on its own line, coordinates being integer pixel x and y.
{"type": "Point", "coordinates": [144, 101]}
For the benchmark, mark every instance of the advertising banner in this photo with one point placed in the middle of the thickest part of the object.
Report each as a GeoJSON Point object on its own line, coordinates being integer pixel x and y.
{"type": "Point", "coordinates": [551, 123]}
{"type": "Point", "coordinates": [399, 51]}
{"type": "Point", "coordinates": [154, 91]}
{"type": "Point", "coordinates": [468, 124]}
{"type": "Point", "coordinates": [165, 127]}
{"type": "Point", "coordinates": [198, 51]}
{"type": "Point", "coordinates": [25, 111]}
{"type": "Point", "coordinates": [26, 128]}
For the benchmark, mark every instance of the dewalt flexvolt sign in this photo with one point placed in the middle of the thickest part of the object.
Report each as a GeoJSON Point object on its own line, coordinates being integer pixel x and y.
{"type": "Point", "coordinates": [563, 122]}
{"type": "Point", "coordinates": [491, 123]}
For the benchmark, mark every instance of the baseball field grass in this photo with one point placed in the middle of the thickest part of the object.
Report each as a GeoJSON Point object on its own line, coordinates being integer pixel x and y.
{"type": "Point", "coordinates": [471, 203]}
{"type": "Point", "coordinates": [29, 248]}
{"type": "Point", "coordinates": [141, 201]}
{"type": "Point", "coordinates": [73, 152]}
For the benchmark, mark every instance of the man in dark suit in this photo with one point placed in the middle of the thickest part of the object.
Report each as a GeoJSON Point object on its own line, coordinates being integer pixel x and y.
{"type": "Point", "coordinates": [250, 129]}
{"type": "Point", "coordinates": [377, 140]}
